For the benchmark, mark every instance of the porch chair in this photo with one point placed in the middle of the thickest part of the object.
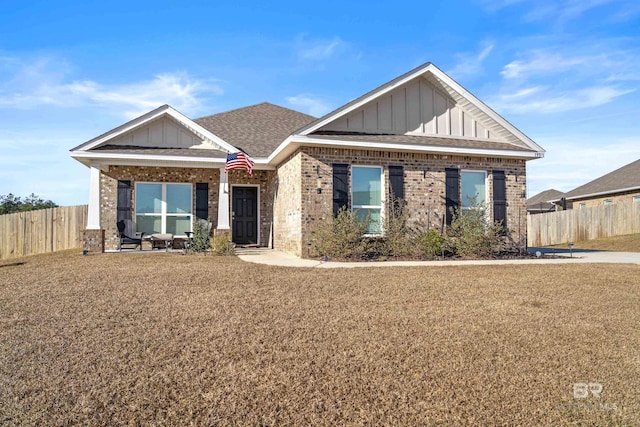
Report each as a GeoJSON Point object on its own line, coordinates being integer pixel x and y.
{"type": "Point", "coordinates": [189, 241]}
{"type": "Point", "coordinates": [128, 234]}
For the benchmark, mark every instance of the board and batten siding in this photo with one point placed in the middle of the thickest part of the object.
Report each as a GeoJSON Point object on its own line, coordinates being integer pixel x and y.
{"type": "Point", "coordinates": [163, 132]}
{"type": "Point", "coordinates": [416, 108]}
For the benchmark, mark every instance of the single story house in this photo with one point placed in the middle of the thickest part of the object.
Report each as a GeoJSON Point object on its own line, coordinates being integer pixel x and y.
{"type": "Point", "coordinates": [541, 202]}
{"type": "Point", "coordinates": [617, 187]}
{"type": "Point", "coordinates": [421, 137]}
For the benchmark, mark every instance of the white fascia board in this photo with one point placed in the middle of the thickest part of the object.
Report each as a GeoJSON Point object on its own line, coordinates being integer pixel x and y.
{"type": "Point", "coordinates": [87, 157]}
{"type": "Point", "coordinates": [601, 193]}
{"type": "Point", "coordinates": [153, 115]}
{"type": "Point", "coordinates": [280, 148]}
{"type": "Point", "coordinates": [292, 143]}
{"type": "Point", "coordinates": [363, 101]}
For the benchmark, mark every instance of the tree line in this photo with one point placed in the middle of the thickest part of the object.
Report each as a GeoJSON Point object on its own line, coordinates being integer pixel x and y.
{"type": "Point", "coordinates": [10, 203]}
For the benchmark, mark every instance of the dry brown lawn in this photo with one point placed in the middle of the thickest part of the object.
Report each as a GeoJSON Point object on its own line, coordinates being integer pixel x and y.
{"type": "Point", "coordinates": [626, 243]}
{"type": "Point", "coordinates": [168, 339]}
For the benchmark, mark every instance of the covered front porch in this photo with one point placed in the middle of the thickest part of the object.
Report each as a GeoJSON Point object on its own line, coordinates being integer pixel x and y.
{"type": "Point", "coordinates": [168, 200]}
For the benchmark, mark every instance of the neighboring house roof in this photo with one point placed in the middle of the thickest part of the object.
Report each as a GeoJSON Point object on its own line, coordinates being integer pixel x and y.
{"type": "Point", "coordinates": [626, 178]}
{"type": "Point", "coordinates": [257, 129]}
{"type": "Point", "coordinates": [542, 201]}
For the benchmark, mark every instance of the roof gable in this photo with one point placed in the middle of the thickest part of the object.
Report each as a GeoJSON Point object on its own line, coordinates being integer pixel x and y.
{"type": "Point", "coordinates": [622, 179]}
{"type": "Point", "coordinates": [424, 102]}
{"type": "Point", "coordinates": [257, 129]}
{"type": "Point", "coordinates": [163, 128]}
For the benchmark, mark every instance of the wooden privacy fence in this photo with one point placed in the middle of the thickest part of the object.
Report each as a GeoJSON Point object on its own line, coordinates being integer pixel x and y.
{"type": "Point", "coordinates": [41, 231]}
{"type": "Point", "coordinates": [575, 225]}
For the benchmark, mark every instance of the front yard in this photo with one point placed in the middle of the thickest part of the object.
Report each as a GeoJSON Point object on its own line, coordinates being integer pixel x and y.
{"type": "Point", "coordinates": [162, 338]}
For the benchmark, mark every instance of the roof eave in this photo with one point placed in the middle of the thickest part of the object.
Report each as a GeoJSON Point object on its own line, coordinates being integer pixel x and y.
{"type": "Point", "coordinates": [122, 159]}
{"type": "Point", "coordinates": [600, 193]}
{"type": "Point", "coordinates": [289, 146]}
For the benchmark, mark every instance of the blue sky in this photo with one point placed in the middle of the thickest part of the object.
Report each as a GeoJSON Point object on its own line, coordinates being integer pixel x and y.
{"type": "Point", "coordinates": [565, 72]}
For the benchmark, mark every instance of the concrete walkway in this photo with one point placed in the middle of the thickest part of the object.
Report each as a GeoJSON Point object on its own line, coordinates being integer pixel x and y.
{"type": "Point", "coordinates": [278, 258]}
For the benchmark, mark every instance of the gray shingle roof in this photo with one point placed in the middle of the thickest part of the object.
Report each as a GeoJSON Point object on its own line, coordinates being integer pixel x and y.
{"type": "Point", "coordinates": [541, 200]}
{"type": "Point", "coordinates": [419, 140]}
{"type": "Point", "coordinates": [257, 129]}
{"type": "Point", "coordinates": [620, 179]}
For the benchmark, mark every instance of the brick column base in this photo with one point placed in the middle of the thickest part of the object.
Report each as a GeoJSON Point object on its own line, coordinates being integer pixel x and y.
{"type": "Point", "coordinates": [222, 232]}
{"type": "Point", "coordinates": [93, 241]}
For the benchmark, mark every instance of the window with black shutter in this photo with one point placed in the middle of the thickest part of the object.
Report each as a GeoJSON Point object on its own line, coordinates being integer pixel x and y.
{"type": "Point", "coordinates": [499, 198]}
{"type": "Point", "coordinates": [124, 200]}
{"type": "Point", "coordinates": [452, 192]}
{"type": "Point", "coordinates": [340, 187]}
{"type": "Point", "coordinates": [202, 200]}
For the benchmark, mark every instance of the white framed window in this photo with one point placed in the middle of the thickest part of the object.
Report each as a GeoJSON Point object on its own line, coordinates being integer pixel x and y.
{"type": "Point", "coordinates": [366, 196]}
{"type": "Point", "coordinates": [636, 199]}
{"type": "Point", "coordinates": [473, 188]}
{"type": "Point", "coordinates": [608, 202]}
{"type": "Point", "coordinates": [164, 207]}
{"type": "Point", "coordinates": [583, 205]}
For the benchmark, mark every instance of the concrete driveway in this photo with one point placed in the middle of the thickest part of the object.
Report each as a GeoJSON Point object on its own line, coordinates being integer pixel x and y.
{"type": "Point", "coordinates": [548, 256]}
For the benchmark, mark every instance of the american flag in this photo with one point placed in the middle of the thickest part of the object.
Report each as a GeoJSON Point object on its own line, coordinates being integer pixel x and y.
{"type": "Point", "coordinates": [239, 160]}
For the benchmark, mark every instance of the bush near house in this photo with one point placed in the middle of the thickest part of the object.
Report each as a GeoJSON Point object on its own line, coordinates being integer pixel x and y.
{"type": "Point", "coordinates": [470, 235]}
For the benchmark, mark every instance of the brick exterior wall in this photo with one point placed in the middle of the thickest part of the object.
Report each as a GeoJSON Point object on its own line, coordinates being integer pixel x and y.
{"type": "Point", "coordinates": [287, 204]}
{"type": "Point", "coordinates": [626, 197]}
{"type": "Point", "coordinates": [424, 183]}
{"type": "Point", "coordinates": [290, 205]}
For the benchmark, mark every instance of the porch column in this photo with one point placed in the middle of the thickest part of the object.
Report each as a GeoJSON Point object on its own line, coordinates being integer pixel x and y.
{"type": "Point", "coordinates": [223, 202]}
{"type": "Point", "coordinates": [93, 214]}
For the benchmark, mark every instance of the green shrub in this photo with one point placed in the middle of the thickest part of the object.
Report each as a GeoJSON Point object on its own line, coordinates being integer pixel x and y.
{"type": "Point", "coordinates": [471, 234]}
{"type": "Point", "coordinates": [200, 239]}
{"type": "Point", "coordinates": [430, 243]}
{"type": "Point", "coordinates": [221, 245]}
{"type": "Point", "coordinates": [340, 236]}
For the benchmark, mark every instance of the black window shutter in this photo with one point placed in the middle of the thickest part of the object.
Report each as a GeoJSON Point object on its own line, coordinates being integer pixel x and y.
{"type": "Point", "coordinates": [124, 200]}
{"type": "Point", "coordinates": [396, 182]}
{"type": "Point", "coordinates": [340, 187]}
{"type": "Point", "coordinates": [499, 198]}
{"type": "Point", "coordinates": [452, 196]}
{"type": "Point", "coordinates": [202, 200]}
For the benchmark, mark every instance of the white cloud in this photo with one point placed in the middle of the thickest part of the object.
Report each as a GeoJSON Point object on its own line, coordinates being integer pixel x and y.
{"type": "Point", "coordinates": [44, 81]}
{"type": "Point", "coordinates": [468, 64]}
{"type": "Point", "coordinates": [542, 62]}
{"type": "Point", "coordinates": [538, 100]}
{"type": "Point", "coordinates": [563, 11]}
{"type": "Point", "coordinates": [318, 50]}
{"type": "Point", "coordinates": [552, 80]}
{"type": "Point", "coordinates": [312, 105]}
{"type": "Point", "coordinates": [574, 160]}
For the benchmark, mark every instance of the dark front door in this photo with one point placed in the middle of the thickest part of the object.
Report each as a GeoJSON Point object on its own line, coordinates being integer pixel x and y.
{"type": "Point", "coordinates": [244, 216]}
